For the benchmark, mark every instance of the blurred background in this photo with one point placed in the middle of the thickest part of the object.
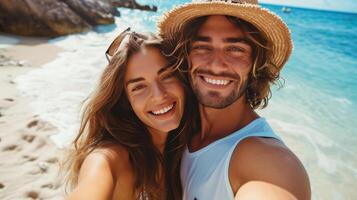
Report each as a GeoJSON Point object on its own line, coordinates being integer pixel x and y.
{"type": "Point", "coordinates": [46, 74]}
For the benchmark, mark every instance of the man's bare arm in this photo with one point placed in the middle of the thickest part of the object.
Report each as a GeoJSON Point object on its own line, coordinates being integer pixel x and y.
{"type": "Point", "coordinates": [261, 165]}
{"type": "Point", "coordinates": [257, 190]}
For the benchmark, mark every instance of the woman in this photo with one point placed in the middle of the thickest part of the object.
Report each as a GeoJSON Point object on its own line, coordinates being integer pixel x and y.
{"type": "Point", "coordinates": [131, 136]}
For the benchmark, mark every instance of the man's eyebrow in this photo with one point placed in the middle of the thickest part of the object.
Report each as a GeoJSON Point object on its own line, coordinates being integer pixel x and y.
{"type": "Point", "coordinates": [134, 80]}
{"type": "Point", "coordinates": [227, 40]}
{"type": "Point", "coordinates": [201, 39]}
{"type": "Point", "coordinates": [236, 40]}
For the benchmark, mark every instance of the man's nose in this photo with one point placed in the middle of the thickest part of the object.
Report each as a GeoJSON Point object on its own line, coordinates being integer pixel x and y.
{"type": "Point", "coordinates": [217, 62]}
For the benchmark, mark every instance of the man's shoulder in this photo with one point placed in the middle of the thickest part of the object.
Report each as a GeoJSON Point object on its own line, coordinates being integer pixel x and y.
{"type": "Point", "coordinates": [264, 153]}
{"type": "Point", "coordinates": [269, 160]}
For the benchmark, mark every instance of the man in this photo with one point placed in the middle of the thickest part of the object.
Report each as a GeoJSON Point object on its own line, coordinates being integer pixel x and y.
{"type": "Point", "coordinates": [234, 51]}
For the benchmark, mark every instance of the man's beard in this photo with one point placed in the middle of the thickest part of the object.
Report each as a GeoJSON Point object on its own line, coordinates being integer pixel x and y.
{"type": "Point", "coordinates": [214, 99]}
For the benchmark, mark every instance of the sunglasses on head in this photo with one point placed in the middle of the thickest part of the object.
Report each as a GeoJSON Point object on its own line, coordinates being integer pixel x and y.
{"type": "Point", "coordinates": [114, 46]}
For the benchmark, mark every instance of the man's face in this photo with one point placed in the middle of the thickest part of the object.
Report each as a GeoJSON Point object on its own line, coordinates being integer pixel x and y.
{"type": "Point", "coordinates": [220, 61]}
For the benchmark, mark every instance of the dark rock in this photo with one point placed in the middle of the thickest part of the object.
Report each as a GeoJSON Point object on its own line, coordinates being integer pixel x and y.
{"type": "Point", "coordinates": [93, 11]}
{"type": "Point", "coordinates": [53, 17]}
{"type": "Point", "coordinates": [39, 18]}
{"type": "Point", "coordinates": [133, 4]}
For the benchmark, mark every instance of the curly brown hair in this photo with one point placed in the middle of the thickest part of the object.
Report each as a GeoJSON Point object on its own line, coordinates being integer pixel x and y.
{"type": "Point", "coordinates": [264, 72]}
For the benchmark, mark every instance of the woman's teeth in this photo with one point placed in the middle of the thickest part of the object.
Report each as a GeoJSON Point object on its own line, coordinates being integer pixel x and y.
{"type": "Point", "coordinates": [216, 81]}
{"type": "Point", "coordinates": [164, 110]}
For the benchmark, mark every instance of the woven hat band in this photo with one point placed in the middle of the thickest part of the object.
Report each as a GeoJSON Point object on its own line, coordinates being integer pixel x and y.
{"type": "Point", "coordinates": [228, 1]}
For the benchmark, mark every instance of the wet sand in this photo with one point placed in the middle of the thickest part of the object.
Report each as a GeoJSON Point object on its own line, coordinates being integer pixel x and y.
{"type": "Point", "coordinates": [29, 159]}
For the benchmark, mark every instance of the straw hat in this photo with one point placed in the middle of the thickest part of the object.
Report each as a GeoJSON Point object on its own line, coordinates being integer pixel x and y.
{"type": "Point", "coordinates": [270, 24]}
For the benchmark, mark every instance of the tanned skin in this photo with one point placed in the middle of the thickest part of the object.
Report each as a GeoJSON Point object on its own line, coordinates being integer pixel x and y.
{"type": "Point", "coordinates": [260, 168]}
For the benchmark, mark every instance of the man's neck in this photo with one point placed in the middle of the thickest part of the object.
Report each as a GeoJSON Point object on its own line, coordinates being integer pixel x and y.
{"type": "Point", "coordinates": [218, 123]}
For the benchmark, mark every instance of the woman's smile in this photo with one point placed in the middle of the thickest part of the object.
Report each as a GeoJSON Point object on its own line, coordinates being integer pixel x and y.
{"type": "Point", "coordinates": [156, 96]}
{"type": "Point", "coordinates": [163, 110]}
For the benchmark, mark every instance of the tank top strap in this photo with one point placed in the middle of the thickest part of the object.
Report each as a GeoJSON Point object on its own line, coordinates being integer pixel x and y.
{"type": "Point", "coordinates": [257, 128]}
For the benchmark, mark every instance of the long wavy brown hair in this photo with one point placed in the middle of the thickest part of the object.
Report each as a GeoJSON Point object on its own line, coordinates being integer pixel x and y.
{"type": "Point", "coordinates": [264, 72]}
{"type": "Point", "coordinates": [108, 117]}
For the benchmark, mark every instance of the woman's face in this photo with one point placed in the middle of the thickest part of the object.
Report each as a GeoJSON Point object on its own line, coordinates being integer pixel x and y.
{"type": "Point", "coordinates": [155, 94]}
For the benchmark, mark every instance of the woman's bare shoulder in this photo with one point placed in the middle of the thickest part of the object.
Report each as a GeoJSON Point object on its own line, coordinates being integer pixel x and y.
{"type": "Point", "coordinates": [116, 155]}
{"type": "Point", "coordinates": [101, 167]}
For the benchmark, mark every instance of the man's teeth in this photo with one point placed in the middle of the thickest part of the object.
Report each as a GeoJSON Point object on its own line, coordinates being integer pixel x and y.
{"type": "Point", "coordinates": [216, 82]}
{"type": "Point", "coordinates": [164, 110]}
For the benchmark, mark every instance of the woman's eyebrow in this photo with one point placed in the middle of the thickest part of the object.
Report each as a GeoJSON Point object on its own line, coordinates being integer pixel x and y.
{"type": "Point", "coordinates": [134, 80]}
{"type": "Point", "coordinates": [163, 69]}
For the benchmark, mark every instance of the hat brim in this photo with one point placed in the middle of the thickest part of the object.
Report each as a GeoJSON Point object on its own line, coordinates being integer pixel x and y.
{"type": "Point", "coordinates": [270, 24]}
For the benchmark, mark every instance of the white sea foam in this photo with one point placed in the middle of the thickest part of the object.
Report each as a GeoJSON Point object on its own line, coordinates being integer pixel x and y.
{"type": "Point", "coordinates": [311, 136]}
{"type": "Point", "coordinates": [58, 88]}
{"type": "Point", "coordinates": [343, 100]}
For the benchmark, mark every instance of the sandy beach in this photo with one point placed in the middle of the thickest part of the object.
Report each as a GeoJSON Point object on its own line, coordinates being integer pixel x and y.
{"type": "Point", "coordinates": [29, 159]}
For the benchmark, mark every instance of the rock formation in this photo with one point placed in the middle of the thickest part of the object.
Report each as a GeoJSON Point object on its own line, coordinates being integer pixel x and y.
{"type": "Point", "coordinates": [53, 17]}
{"type": "Point", "coordinates": [133, 4]}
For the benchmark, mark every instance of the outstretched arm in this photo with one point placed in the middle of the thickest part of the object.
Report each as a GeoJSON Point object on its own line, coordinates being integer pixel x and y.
{"type": "Point", "coordinates": [264, 168]}
{"type": "Point", "coordinates": [256, 190]}
{"type": "Point", "coordinates": [95, 181]}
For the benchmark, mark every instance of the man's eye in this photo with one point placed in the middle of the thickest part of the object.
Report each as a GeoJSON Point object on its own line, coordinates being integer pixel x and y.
{"type": "Point", "coordinates": [235, 49]}
{"type": "Point", "coordinates": [167, 76]}
{"type": "Point", "coordinates": [201, 47]}
{"type": "Point", "coordinates": [138, 87]}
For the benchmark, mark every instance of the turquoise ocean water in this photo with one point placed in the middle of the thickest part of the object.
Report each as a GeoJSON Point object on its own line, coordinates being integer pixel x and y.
{"type": "Point", "coordinates": [315, 112]}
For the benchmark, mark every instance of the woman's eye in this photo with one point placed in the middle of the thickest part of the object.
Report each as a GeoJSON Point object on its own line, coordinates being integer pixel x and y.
{"type": "Point", "coordinates": [138, 87]}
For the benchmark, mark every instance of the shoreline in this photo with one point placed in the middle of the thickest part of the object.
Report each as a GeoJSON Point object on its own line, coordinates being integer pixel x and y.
{"type": "Point", "coordinates": [30, 170]}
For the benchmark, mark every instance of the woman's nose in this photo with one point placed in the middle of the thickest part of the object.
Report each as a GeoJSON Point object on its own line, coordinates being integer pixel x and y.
{"type": "Point", "coordinates": [158, 91]}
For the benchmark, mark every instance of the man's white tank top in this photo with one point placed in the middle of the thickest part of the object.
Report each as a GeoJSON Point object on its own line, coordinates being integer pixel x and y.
{"type": "Point", "coordinates": [204, 173]}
